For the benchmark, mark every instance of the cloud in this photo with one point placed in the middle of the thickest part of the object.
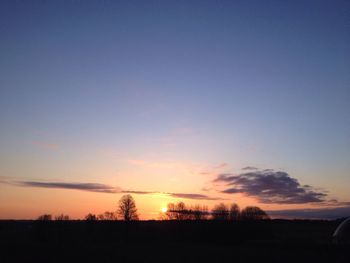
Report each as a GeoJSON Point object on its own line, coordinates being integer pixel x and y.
{"type": "Point", "coordinates": [103, 188]}
{"type": "Point", "coordinates": [3, 179]}
{"type": "Point", "coordinates": [91, 187]}
{"type": "Point", "coordinates": [193, 196]}
{"type": "Point", "coordinates": [249, 168]}
{"type": "Point", "coordinates": [206, 189]}
{"type": "Point", "coordinates": [270, 186]}
{"type": "Point", "coordinates": [323, 213]}
{"type": "Point", "coordinates": [46, 145]}
{"type": "Point", "coordinates": [137, 192]}
{"type": "Point", "coordinates": [334, 203]}
{"type": "Point", "coordinates": [175, 195]}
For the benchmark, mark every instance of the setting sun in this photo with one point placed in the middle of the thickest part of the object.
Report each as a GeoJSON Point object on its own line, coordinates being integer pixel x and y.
{"type": "Point", "coordinates": [164, 209]}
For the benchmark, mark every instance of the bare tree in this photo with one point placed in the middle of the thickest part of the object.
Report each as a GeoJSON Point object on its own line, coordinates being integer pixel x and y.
{"type": "Point", "coordinates": [181, 211]}
{"type": "Point", "coordinates": [234, 213]}
{"type": "Point", "coordinates": [253, 213]}
{"type": "Point", "coordinates": [220, 212]}
{"type": "Point", "coordinates": [127, 208]}
{"type": "Point", "coordinates": [45, 217]}
{"type": "Point", "coordinates": [171, 211]}
{"type": "Point", "coordinates": [107, 216]}
{"type": "Point", "coordinates": [90, 217]}
{"type": "Point", "coordinates": [178, 211]}
{"type": "Point", "coordinates": [62, 217]}
{"type": "Point", "coordinates": [199, 212]}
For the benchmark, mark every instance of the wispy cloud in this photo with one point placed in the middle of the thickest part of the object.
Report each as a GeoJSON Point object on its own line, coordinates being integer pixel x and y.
{"type": "Point", "coordinates": [249, 168]}
{"type": "Point", "coordinates": [269, 186]}
{"type": "Point", "coordinates": [137, 192]}
{"type": "Point", "coordinates": [46, 145]}
{"type": "Point", "coordinates": [323, 213]}
{"type": "Point", "coordinates": [92, 187]}
{"type": "Point", "coordinates": [194, 196]}
{"type": "Point", "coordinates": [103, 188]}
{"type": "Point", "coordinates": [334, 203]}
{"type": "Point", "coordinates": [4, 179]}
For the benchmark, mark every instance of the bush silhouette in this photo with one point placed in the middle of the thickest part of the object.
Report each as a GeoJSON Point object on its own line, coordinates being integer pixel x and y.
{"type": "Point", "coordinates": [90, 217]}
{"type": "Point", "coordinates": [253, 213]}
{"type": "Point", "coordinates": [45, 217]}
{"type": "Point", "coordinates": [107, 216]}
{"type": "Point", "coordinates": [220, 212]}
{"type": "Point", "coordinates": [234, 213]}
{"type": "Point", "coordinates": [62, 217]}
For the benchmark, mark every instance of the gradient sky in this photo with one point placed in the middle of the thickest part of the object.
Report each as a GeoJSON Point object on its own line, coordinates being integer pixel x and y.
{"type": "Point", "coordinates": [166, 97]}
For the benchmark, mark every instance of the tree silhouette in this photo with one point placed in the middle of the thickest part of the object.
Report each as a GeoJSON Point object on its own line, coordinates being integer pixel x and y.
{"type": "Point", "coordinates": [107, 216]}
{"type": "Point", "coordinates": [171, 211]}
{"type": "Point", "coordinates": [181, 211]}
{"type": "Point", "coordinates": [234, 213]}
{"type": "Point", "coordinates": [127, 208]}
{"type": "Point", "coordinates": [62, 217]}
{"type": "Point", "coordinates": [45, 217]}
{"type": "Point", "coordinates": [220, 212]}
{"type": "Point", "coordinates": [199, 212]}
{"type": "Point", "coordinates": [253, 213]}
{"type": "Point", "coordinates": [90, 217]}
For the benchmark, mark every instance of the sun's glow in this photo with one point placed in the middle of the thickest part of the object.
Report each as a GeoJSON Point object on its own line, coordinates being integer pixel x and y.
{"type": "Point", "coordinates": [164, 209]}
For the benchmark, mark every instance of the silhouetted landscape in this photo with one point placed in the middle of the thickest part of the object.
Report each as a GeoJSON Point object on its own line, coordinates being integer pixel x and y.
{"type": "Point", "coordinates": [184, 234]}
{"type": "Point", "coordinates": [170, 241]}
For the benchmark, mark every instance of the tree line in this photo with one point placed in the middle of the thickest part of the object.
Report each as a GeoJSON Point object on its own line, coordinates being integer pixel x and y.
{"type": "Point", "coordinates": [127, 211]}
{"type": "Point", "coordinates": [220, 211]}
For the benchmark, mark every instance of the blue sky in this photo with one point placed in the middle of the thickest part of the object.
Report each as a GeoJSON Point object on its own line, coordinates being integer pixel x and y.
{"type": "Point", "coordinates": [245, 83]}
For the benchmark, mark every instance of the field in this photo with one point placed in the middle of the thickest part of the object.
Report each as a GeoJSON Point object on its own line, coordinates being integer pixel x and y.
{"type": "Point", "coordinates": [170, 241]}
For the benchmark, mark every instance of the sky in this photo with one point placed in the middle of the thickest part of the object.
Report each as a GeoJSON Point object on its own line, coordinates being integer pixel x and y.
{"type": "Point", "coordinates": [194, 101]}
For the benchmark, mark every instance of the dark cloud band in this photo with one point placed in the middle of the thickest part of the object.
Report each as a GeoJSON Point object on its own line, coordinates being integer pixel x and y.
{"type": "Point", "coordinates": [324, 213]}
{"type": "Point", "coordinates": [194, 196]}
{"type": "Point", "coordinates": [92, 187]}
{"type": "Point", "coordinates": [103, 188]}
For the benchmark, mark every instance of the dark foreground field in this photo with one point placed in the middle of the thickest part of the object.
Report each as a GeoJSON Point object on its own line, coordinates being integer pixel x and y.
{"type": "Point", "coordinates": [170, 241]}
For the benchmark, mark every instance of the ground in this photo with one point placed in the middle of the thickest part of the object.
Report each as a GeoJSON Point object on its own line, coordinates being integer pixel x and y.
{"type": "Point", "coordinates": [170, 241]}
